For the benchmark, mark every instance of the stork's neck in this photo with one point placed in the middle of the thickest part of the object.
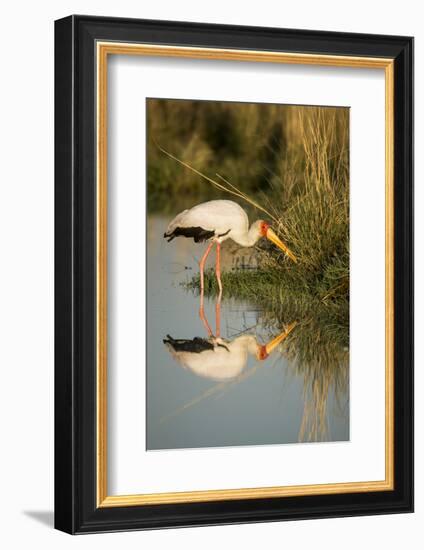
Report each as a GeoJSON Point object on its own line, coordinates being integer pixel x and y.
{"type": "Point", "coordinates": [248, 238]}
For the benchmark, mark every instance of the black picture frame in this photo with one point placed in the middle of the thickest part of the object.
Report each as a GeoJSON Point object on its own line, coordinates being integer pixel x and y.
{"type": "Point", "coordinates": [75, 275]}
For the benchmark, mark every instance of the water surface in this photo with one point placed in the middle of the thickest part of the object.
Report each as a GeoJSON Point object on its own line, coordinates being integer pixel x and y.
{"type": "Point", "coordinates": [241, 401]}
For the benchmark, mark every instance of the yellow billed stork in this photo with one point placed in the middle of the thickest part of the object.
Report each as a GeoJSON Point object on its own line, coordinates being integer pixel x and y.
{"type": "Point", "coordinates": [216, 221]}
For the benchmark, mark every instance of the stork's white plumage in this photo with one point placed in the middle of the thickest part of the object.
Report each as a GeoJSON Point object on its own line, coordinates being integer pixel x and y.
{"type": "Point", "coordinates": [213, 358]}
{"type": "Point", "coordinates": [211, 220]}
{"type": "Point", "coordinates": [216, 221]}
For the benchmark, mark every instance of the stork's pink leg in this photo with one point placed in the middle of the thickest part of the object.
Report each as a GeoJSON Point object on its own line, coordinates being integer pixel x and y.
{"type": "Point", "coordinates": [203, 317]}
{"type": "Point", "coordinates": [218, 316]}
{"type": "Point", "coordinates": [202, 286]}
{"type": "Point", "coordinates": [202, 266]}
{"type": "Point", "coordinates": [218, 268]}
{"type": "Point", "coordinates": [218, 301]}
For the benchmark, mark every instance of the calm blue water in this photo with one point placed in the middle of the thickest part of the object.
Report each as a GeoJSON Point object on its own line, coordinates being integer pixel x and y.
{"type": "Point", "coordinates": [239, 401]}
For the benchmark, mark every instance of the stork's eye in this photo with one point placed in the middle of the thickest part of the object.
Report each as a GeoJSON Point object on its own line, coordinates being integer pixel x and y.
{"type": "Point", "coordinates": [264, 228]}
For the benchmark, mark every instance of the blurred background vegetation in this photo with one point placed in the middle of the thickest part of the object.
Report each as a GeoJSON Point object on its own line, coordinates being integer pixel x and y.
{"type": "Point", "coordinates": [258, 147]}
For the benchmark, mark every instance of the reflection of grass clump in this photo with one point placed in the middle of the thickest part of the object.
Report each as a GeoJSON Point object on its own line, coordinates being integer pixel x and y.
{"type": "Point", "coordinates": [318, 348]}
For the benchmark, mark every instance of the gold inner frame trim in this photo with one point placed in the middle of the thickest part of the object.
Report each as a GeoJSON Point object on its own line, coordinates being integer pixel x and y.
{"type": "Point", "coordinates": [104, 49]}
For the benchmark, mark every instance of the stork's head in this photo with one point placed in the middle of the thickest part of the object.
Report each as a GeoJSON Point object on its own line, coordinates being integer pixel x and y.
{"type": "Point", "coordinates": [263, 227]}
{"type": "Point", "coordinates": [266, 231]}
{"type": "Point", "coordinates": [262, 352]}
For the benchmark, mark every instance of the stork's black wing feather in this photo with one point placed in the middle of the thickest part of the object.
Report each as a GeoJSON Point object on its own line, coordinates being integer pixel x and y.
{"type": "Point", "coordinates": [196, 345]}
{"type": "Point", "coordinates": [197, 233]}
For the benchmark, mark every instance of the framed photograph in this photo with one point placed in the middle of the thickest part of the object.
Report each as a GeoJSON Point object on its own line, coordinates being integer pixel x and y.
{"type": "Point", "coordinates": [234, 274]}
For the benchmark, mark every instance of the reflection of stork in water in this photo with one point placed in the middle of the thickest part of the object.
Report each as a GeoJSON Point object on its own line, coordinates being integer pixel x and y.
{"type": "Point", "coordinates": [218, 358]}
